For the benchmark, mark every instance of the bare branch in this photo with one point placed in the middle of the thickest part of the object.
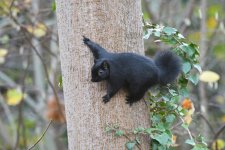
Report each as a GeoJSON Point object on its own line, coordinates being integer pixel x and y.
{"type": "Point", "coordinates": [41, 136]}
{"type": "Point", "coordinates": [207, 122]}
{"type": "Point", "coordinates": [220, 130]}
{"type": "Point", "coordinates": [203, 52]}
{"type": "Point", "coordinates": [46, 72]}
{"type": "Point", "coordinates": [20, 112]}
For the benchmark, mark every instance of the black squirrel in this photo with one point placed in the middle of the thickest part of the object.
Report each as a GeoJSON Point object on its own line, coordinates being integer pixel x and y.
{"type": "Point", "coordinates": [134, 72]}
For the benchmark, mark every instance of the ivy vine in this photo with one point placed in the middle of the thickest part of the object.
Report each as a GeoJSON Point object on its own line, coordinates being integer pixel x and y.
{"type": "Point", "coordinates": [164, 101]}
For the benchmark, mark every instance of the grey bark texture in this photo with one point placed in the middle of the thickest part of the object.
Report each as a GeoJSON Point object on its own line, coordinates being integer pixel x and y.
{"type": "Point", "coordinates": [203, 54]}
{"type": "Point", "coordinates": [117, 26]}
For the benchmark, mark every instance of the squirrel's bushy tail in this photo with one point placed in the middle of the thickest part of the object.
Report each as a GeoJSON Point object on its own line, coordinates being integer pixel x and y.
{"type": "Point", "coordinates": [169, 66]}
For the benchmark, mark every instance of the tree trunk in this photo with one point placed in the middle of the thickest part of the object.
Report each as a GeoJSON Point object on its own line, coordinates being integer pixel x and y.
{"type": "Point", "coordinates": [117, 26]}
{"type": "Point", "coordinates": [203, 52]}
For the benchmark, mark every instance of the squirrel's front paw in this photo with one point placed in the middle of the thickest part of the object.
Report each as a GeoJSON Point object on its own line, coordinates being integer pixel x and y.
{"type": "Point", "coordinates": [106, 98]}
{"type": "Point", "coordinates": [129, 100]}
{"type": "Point", "coordinates": [85, 40]}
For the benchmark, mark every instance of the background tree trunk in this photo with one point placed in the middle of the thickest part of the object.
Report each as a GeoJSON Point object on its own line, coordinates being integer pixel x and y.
{"type": "Point", "coordinates": [203, 53]}
{"type": "Point", "coordinates": [117, 26]}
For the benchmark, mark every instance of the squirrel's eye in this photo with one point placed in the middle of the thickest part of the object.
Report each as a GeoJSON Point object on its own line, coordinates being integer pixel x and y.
{"type": "Point", "coordinates": [100, 72]}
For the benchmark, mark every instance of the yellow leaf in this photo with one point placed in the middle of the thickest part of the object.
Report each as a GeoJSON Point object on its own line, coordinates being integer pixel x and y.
{"type": "Point", "coordinates": [174, 140]}
{"type": "Point", "coordinates": [29, 28]}
{"type": "Point", "coordinates": [220, 100]}
{"type": "Point", "coordinates": [41, 26]}
{"type": "Point", "coordinates": [188, 119]}
{"type": "Point", "coordinates": [223, 119]}
{"type": "Point", "coordinates": [209, 76]}
{"type": "Point", "coordinates": [3, 52]}
{"type": "Point", "coordinates": [38, 30]}
{"type": "Point", "coordinates": [220, 145]}
{"type": "Point", "coordinates": [14, 97]}
{"type": "Point", "coordinates": [211, 23]}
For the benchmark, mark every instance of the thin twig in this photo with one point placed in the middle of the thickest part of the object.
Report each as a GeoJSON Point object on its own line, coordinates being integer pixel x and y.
{"type": "Point", "coordinates": [20, 114]}
{"type": "Point", "coordinates": [176, 125]}
{"type": "Point", "coordinates": [18, 127]}
{"type": "Point", "coordinates": [46, 73]}
{"type": "Point", "coordinates": [10, 6]}
{"type": "Point", "coordinates": [187, 129]}
{"type": "Point", "coordinates": [207, 122]}
{"type": "Point", "coordinates": [41, 136]}
{"type": "Point", "coordinates": [138, 145]}
{"type": "Point", "coordinates": [220, 130]}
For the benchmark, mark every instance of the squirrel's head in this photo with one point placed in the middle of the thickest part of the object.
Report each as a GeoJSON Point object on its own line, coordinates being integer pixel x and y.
{"type": "Point", "coordinates": [100, 70]}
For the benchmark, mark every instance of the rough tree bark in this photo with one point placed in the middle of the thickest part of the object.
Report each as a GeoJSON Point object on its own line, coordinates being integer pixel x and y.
{"type": "Point", "coordinates": [117, 26]}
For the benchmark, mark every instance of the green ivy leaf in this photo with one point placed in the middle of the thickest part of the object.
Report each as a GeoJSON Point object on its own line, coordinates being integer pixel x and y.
{"type": "Point", "coordinates": [53, 6]}
{"type": "Point", "coordinates": [166, 98]}
{"type": "Point", "coordinates": [175, 99]}
{"type": "Point", "coordinates": [130, 145]}
{"type": "Point", "coordinates": [108, 129]}
{"type": "Point", "coordinates": [180, 36]}
{"type": "Point", "coordinates": [190, 141]}
{"type": "Point", "coordinates": [198, 67]}
{"type": "Point", "coordinates": [157, 33]}
{"type": "Point", "coordinates": [183, 92]}
{"type": "Point", "coordinates": [163, 138]}
{"type": "Point", "coordinates": [172, 92]}
{"type": "Point", "coordinates": [194, 79]}
{"type": "Point", "coordinates": [170, 118]}
{"type": "Point", "coordinates": [182, 112]}
{"type": "Point", "coordinates": [194, 47]}
{"type": "Point", "coordinates": [183, 81]}
{"type": "Point", "coordinates": [187, 49]}
{"type": "Point", "coordinates": [148, 131]}
{"type": "Point", "coordinates": [119, 133]}
{"type": "Point", "coordinates": [147, 33]}
{"type": "Point", "coordinates": [199, 147]}
{"type": "Point", "coordinates": [139, 129]}
{"type": "Point", "coordinates": [186, 67]}
{"type": "Point", "coordinates": [169, 31]}
{"type": "Point", "coordinates": [156, 119]}
{"type": "Point", "coordinates": [179, 108]}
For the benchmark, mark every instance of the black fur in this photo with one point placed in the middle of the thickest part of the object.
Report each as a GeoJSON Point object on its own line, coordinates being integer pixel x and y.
{"type": "Point", "coordinates": [135, 72]}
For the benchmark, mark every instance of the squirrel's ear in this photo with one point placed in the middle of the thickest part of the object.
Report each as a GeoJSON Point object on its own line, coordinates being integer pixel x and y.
{"type": "Point", "coordinates": [105, 64]}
